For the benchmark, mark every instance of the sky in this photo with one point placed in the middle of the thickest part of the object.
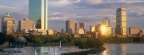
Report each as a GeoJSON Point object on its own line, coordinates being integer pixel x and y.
{"type": "Point", "coordinates": [90, 12]}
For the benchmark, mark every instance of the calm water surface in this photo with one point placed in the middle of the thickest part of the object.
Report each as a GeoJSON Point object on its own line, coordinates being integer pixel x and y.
{"type": "Point", "coordinates": [56, 50]}
{"type": "Point", "coordinates": [111, 49]}
{"type": "Point", "coordinates": [122, 49]}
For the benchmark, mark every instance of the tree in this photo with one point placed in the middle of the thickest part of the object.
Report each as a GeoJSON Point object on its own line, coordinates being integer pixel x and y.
{"type": "Point", "coordinates": [11, 38]}
{"type": "Point", "coordinates": [2, 38]}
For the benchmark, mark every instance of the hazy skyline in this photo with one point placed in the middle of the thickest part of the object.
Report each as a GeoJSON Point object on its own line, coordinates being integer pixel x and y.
{"type": "Point", "coordinates": [91, 12]}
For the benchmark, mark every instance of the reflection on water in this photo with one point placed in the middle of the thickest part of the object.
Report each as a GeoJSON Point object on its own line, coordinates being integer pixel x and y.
{"type": "Point", "coordinates": [111, 49]}
{"type": "Point", "coordinates": [122, 49]}
{"type": "Point", "coordinates": [48, 50]}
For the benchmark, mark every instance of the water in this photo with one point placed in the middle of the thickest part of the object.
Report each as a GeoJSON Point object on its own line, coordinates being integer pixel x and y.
{"type": "Point", "coordinates": [53, 50]}
{"type": "Point", "coordinates": [122, 49]}
{"type": "Point", "coordinates": [111, 49]}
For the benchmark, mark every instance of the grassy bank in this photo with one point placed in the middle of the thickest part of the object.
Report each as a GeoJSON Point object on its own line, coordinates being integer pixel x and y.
{"type": "Point", "coordinates": [91, 51]}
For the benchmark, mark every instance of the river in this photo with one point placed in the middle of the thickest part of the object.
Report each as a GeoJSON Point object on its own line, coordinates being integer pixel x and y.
{"type": "Point", "coordinates": [111, 49]}
{"type": "Point", "coordinates": [122, 49]}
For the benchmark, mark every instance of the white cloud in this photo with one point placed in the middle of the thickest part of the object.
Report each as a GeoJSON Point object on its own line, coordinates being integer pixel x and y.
{"type": "Point", "coordinates": [94, 2]}
{"type": "Point", "coordinates": [62, 16]}
{"type": "Point", "coordinates": [8, 7]}
{"type": "Point", "coordinates": [60, 3]}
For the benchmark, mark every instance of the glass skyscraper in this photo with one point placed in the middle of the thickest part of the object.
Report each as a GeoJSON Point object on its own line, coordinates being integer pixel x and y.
{"type": "Point", "coordinates": [38, 9]}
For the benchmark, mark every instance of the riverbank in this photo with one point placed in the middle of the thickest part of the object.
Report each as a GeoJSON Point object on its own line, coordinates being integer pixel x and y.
{"type": "Point", "coordinates": [124, 43]}
{"type": "Point", "coordinates": [91, 51]}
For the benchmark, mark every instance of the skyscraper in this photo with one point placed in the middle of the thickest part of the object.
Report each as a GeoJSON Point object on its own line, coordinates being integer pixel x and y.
{"type": "Point", "coordinates": [106, 24]}
{"type": "Point", "coordinates": [83, 25]}
{"type": "Point", "coordinates": [121, 27]}
{"type": "Point", "coordinates": [79, 25]}
{"type": "Point", "coordinates": [92, 29]}
{"type": "Point", "coordinates": [7, 25]}
{"type": "Point", "coordinates": [38, 9]}
{"type": "Point", "coordinates": [70, 26]}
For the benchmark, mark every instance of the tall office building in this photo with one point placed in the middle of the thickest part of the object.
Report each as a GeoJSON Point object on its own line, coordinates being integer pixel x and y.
{"type": "Point", "coordinates": [83, 25]}
{"type": "Point", "coordinates": [121, 27]}
{"type": "Point", "coordinates": [108, 29]}
{"type": "Point", "coordinates": [92, 28]}
{"type": "Point", "coordinates": [70, 26]}
{"type": "Point", "coordinates": [38, 9]}
{"type": "Point", "coordinates": [26, 24]}
{"type": "Point", "coordinates": [79, 25]}
{"type": "Point", "coordinates": [7, 25]}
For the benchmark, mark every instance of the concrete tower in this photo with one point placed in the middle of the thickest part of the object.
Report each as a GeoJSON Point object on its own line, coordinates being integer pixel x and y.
{"type": "Point", "coordinates": [70, 26]}
{"type": "Point", "coordinates": [79, 25]}
{"type": "Point", "coordinates": [7, 25]}
{"type": "Point", "coordinates": [121, 27]}
{"type": "Point", "coordinates": [38, 9]}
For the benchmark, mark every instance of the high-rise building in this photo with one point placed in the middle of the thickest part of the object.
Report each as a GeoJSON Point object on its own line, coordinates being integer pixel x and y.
{"type": "Point", "coordinates": [7, 25]}
{"type": "Point", "coordinates": [99, 30]}
{"type": "Point", "coordinates": [133, 30]}
{"type": "Point", "coordinates": [92, 28]}
{"type": "Point", "coordinates": [121, 23]}
{"type": "Point", "coordinates": [38, 9]}
{"type": "Point", "coordinates": [70, 26]}
{"type": "Point", "coordinates": [83, 25]}
{"type": "Point", "coordinates": [106, 25]}
{"type": "Point", "coordinates": [79, 25]}
{"type": "Point", "coordinates": [26, 24]}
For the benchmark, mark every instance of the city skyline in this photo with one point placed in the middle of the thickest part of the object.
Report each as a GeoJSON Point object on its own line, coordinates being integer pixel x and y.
{"type": "Point", "coordinates": [85, 11]}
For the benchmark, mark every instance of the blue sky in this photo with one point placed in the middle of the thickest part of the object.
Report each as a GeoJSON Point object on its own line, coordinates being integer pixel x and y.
{"type": "Point", "coordinates": [89, 11]}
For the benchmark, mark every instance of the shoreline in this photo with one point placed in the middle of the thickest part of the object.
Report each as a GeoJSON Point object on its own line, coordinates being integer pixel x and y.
{"type": "Point", "coordinates": [91, 51]}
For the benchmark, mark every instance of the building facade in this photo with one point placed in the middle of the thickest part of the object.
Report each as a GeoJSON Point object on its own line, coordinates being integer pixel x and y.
{"type": "Point", "coordinates": [79, 25]}
{"type": "Point", "coordinates": [70, 26]}
{"type": "Point", "coordinates": [26, 24]}
{"type": "Point", "coordinates": [121, 23]}
{"type": "Point", "coordinates": [92, 28]}
{"type": "Point", "coordinates": [38, 9]}
{"type": "Point", "coordinates": [107, 29]}
{"type": "Point", "coordinates": [133, 30]}
{"type": "Point", "coordinates": [7, 25]}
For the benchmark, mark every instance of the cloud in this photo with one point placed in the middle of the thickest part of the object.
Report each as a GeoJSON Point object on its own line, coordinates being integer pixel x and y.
{"type": "Point", "coordinates": [62, 16]}
{"type": "Point", "coordinates": [61, 3]}
{"type": "Point", "coordinates": [8, 7]}
{"type": "Point", "coordinates": [92, 2]}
